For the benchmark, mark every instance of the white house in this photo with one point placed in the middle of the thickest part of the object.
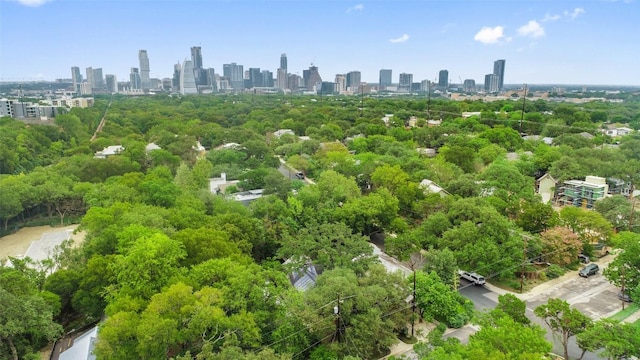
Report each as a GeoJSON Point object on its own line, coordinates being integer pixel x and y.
{"type": "Point", "coordinates": [109, 151]}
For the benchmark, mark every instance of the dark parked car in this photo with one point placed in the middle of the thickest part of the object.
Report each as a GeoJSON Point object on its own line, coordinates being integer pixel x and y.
{"type": "Point", "coordinates": [589, 270]}
{"type": "Point", "coordinates": [625, 296]}
{"type": "Point", "coordinates": [300, 175]}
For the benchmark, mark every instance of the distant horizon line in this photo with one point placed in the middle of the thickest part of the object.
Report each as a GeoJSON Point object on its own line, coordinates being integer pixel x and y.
{"type": "Point", "coordinates": [57, 81]}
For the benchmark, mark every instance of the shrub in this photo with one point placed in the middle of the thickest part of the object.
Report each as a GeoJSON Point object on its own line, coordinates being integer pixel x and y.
{"type": "Point", "coordinates": [554, 271]}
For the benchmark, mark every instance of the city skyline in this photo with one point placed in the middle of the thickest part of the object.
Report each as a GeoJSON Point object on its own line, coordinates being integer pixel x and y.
{"type": "Point", "coordinates": [569, 42]}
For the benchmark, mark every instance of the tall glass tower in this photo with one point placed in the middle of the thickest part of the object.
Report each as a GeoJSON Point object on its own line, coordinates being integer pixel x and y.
{"type": "Point", "coordinates": [498, 69]}
{"type": "Point", "coordinates": [187, 79]}
{"type": "Point", "coordinates": [143, 58]}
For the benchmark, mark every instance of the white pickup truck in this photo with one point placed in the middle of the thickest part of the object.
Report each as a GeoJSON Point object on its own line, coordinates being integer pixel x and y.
{"type": "Point", "coordinates": [473, 277]}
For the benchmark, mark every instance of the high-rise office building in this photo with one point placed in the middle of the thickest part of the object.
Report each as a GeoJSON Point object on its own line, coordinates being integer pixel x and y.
{"type": "Point", "coordinates": [283, 62]}
{"type": "Point", "coordinates": [175, 80]}
{"type": "Point", "coordinates": [255, 78]}
{"type": "Point", "coordinates": [405, 82]}
{"type": "Point", "coordinates": [212, 82]}
{"type": "Point", "coordinates": [134, 79]}
{"type": "Point", "coordinates": [89, 73]}
{"type": "Point", "coordinates": [196, 57]}
{"type": "Point", "coordinates": [112, 83]}
{"type": "Point", "coordinates": [293, 82]}
{"type": "Point", "coordinates": [385, 78]}
{"type": "Point", "coordinates": [469, 86]}
{"type": "Point", "coordinates": [98, 79]}
{"type": "Point", "coordinates": [198, 70]}
{"type": "Point", "coordinates": [76, 78]}
{"type": "Point", "coordinates": [235, 73]}
{"type": "Point", "coordinates": [187, 79]}
{"type": "Point", "coordinates": [498, 69]}
{"type": "Point", "coordinates": [443, 79]}
{"type": "Point", "coordinates": [311, 77]}
{"type": "Point", "coordinates": [143, 58]}
{"type": "Point", "coordinates": [341, 83]}
{"type": "Point", "coordinates": [267, 78]}
{"type": "Point", "coordinates": [353, 80]}
{"type": "Point", "coordinates": [491, 83]}
{"type": "Point", "coordinates": [281, 76]}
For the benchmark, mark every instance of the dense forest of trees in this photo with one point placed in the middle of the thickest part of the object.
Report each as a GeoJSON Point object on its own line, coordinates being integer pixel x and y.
{"type": "Point", "coordinates": [179, 272]}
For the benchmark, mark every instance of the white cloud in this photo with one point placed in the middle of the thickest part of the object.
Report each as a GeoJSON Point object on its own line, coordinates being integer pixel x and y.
{"type": "Point", "coordinates": [401, 39]}
{"type": "Point", "coordinates": [357, 7]}
{"type": "Point", "coordinates": [575, 13]}
{"type": "Point", "coordinates": [549, 17]}
{"type": "Point", "coordinates": [490, 35]}
{"type": "Point", "coordinates": [531, 29]}
{"type": "Point", "coordinates": [33, 3]}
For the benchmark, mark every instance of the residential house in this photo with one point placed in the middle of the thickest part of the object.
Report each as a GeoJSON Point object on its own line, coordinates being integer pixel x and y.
{"type": "Point", "coordinates": [83, 346]}
{"type": "Point", "coordinates": [546, 188]}
{"type": "Point", "coordinates": [109, 151]}
{"type": "Point", "coordinates": [430, 187]}
{"type": "Point", "coordinates": [281, 132]}
{"type": "Point", "coordinates": [218, 185]}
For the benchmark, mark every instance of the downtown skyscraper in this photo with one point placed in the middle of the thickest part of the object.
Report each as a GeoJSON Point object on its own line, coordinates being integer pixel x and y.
{"type": "Point", "coordinates": [385, 78]}
{"type": "Point", "coordinates": [143, 59]}
{"type": "Point", "coordinates": [498, 70]}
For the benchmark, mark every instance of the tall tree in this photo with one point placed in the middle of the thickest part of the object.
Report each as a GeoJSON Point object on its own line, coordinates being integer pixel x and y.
{"type": "Point", "coordinates": [26, 319]}
{"type": "Point", "coordinates": [564, 321]}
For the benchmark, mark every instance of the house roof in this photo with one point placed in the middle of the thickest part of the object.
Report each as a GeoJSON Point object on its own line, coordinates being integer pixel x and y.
{"type": "Point", "coordinates": [83, 346]}
{"type": "Point", "coordinates": [547, 176]}
{"type": "Point", "coordinates": [432, 187]}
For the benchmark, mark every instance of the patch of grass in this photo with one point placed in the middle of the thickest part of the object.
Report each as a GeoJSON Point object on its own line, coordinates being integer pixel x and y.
{"type": "Point", "coordinates": [623, 314]}
{"type": "Point", "coordinates": [636, 323]}
{"type": "Point", "coordinates": [408, 339]}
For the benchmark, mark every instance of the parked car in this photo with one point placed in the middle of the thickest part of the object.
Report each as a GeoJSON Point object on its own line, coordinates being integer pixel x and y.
{"type": "Point", "coordinates": [300, 175]}
{"type": "Point", "coordinates": [584, 259]}
{"type": "Point", "coordinates": [473, 277]}
{"type": "Point", "coordinates": [625, 296]}
{"type": "Point", "coordinates": [589, 270]}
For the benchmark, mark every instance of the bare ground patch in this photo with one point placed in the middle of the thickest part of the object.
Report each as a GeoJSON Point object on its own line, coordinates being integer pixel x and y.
{"type": "Point", "coordinates": [18, 243]}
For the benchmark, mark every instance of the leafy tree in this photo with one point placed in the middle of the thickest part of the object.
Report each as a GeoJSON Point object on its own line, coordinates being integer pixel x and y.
{"type": "Point", "coordinates": [439, 301]}
{"type": "Point", "coordinates": [626, 266]}
{"type": "Point", "coordinates": [561, 246]}
{"type": "Point", "coordinates": [514, 308]}
{"type": "Point", "coordinates": [331, 245]}
{"type": "Point", "coordinates": [617, 210]}
{"type": "Point", "coordinates": [442, 262]}
{"type": "Point", "coordinates": [11, 204]}
{"type": "Point", "coordinates": [563, 321]}
{"type": "Point", "coordinates": [371, 310]}
{"type": "Point", "coordinates": [26, 319]}
{"type": "Point", "coordinates": [147, 266]}
{"type": "Point", "coordinates": [619, 340]}
{"type": "Point", "coordinates": [535, 217]}
{"type": "Point", "coordinates": [590, 226]}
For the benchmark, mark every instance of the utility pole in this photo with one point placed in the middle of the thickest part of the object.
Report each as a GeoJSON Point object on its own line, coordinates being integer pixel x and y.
{"type": "Point", "coordinates": [524, 259]}
{"type": "Point", "coordinates": [336, 311]}
{"type": "Point", "coordinates": [524, 99]}
{"type": "Point", "coordinates": [413, 304]}
{"type": "Point", "coordinates": [623, 266]}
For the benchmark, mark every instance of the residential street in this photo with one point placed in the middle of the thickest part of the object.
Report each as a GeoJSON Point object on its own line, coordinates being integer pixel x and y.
{"type": "Point", "coordinates": [594, 296]}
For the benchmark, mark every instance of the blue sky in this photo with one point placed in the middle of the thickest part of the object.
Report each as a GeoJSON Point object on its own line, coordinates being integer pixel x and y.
{"type": "Point", "coordinates": [543, 42]}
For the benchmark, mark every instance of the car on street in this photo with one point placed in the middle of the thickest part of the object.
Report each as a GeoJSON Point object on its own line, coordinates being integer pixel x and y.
{"type": "Point", "coordinates": [625, 296]}
{"type": "Point", "coordinates": [584, 259]}
{"type": "Point", "coordinates": [589, 270]}
{"type": "Point", "coordinates": [300, 175]}
{"type": "Point", "coordinates": [472, 277]}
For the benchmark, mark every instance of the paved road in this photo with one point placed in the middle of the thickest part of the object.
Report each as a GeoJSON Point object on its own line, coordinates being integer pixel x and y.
{"type": "Point", "coordinates": [593, 296]}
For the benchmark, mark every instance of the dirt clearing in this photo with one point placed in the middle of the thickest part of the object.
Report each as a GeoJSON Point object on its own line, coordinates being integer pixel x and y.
{"type": "Point", "coordinates": [18, 243]}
